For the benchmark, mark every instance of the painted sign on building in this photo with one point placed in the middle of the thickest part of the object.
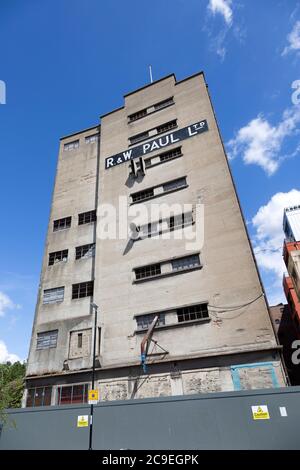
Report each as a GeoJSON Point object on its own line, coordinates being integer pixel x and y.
{"type": "Point", "coordinates": [156, 144]}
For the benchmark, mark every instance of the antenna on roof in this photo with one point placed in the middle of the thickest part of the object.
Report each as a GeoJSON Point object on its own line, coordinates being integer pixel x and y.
{"type": "Point", "coordinates": [150, 71]}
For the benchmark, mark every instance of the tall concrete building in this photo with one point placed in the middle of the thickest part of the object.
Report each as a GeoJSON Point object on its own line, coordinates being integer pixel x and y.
{"type": "Point", "coordinates": [191, 269]}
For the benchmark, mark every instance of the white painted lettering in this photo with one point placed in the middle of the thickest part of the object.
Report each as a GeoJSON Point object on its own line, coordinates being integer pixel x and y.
{"type": "Point", "coordinates": [127, 155]}
{"type": "Point", "coordinates": [146, 148]}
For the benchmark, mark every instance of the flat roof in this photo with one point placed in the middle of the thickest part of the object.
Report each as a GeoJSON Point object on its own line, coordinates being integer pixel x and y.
{"type": "Point", "coordinates": [153, 83]}
{"type": "Point", "coordinates": [131, 93]}
{"type": "Point", "coordinates": [80, 132]}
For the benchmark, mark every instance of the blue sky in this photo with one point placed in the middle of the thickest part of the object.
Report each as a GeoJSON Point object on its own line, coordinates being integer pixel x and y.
{"type": "Point", "coordinates": [66, 62]}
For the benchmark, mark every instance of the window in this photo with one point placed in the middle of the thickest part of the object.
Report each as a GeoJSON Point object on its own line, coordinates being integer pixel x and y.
{"type": "Point", "coordinates": [85, 251]}
{"type": "Point", "coordinates": [91, 138]}
{"type": "Point", "coordinates": [39, 396]}
{"type": "Point", "coordinates": [147, 271]}
{"type": "Point", "coordinates": [83, 289]}
{"type": "Point", "coordinates": [166, 127]}
{"type": "Point", "coordinates": [144, 321]}
{"type": "Point", "coordinates": [143, 195]}
{"type": "Point", "coordinates": [180, 221]}
{"type": "Point", "coordinates": [72, 145]}
{"type": "Point", "coordinates": [86, 217]}
{"type": "Point", "coordinates": [187, 262]}
{"type": "Point", "coordinates": [137, 115]}
{"type": "Point", "coordinates": [176, 184]}
{"type": "Point", "coordinates": [62, 224]}
{"type": "Point", "coordinates": [194, 312]}
{"type": "Point", "coordinates": [79, 340]}
{"type": "Point", "coordinates": [57, 256]}
{"type": "Point", "coordinates": [68, 395]}
{"type": "Point", "coordinates": [163, 157]}
{"type": "Point", "coordinates": [163, 104]}
{"type": "Point", "coordinates": [171, 154]}
{"type": "Point", "coordinates": [139, 137]}
{"type": "Point", "coordinates": [51, 296]}
{"type": "Point", "coordinates": [174, 222]}
{"type": "Point", "coordinates": [47, 340]}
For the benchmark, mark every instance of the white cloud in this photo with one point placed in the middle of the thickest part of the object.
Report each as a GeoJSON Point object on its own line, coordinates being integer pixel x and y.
{"type": "Point", "coordinates": [268, 239]}
{"type": "Point", "coordinates": [260, 143]}
{"type": "Point", "coordinates": [293, 40]}
{"type": "Point", "coordinates": [6, 304]}
{"type": "Point", "coordinates": [5, 356]}
{"type": "Point", "coordinates": [222, 7]}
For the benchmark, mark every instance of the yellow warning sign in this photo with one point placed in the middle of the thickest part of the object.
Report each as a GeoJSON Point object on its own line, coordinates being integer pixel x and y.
{"type": "Point", "coordinates": [260, 412]}
{"type": "Point", "coordinates": [93, 396]}
{"type": "Point", "coordinates": [82, 421]}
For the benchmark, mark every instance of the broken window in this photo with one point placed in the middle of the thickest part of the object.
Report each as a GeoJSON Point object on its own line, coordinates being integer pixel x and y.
{"type": "Point", "coordinates": [57, 256]}
{"type": "Point", "coordinates": [187, 262]}
{"type": "Point", "coordinates": [85, 251]}
{"type": "Point", "coordinates": [144, 321]}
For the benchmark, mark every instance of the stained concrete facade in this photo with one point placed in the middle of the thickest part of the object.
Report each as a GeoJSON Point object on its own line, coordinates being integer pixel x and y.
{"type": "Point", "coordinates": [229, 343]}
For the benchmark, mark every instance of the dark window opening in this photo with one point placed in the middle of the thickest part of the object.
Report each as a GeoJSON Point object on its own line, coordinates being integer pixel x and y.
{"type": "Point", "coordinates": [79, 340]}
{"type": "Point", "coordinates": [186, 262]}
{"type": "Point", "coordinates": [83, 289]}
{"type": "Point", "coordinates": [57, 256]}
{"type": "Point", "coordinates": [86, 217]}
{"type": "Point", "coordinates": [137, 115]}
{"type": "Point", "coordinates": [166, 127]}
{"type": "Point", "coordinates": [85, 251]}
{"type": "Point", "coordinates": [194, 312]}
{"type": "Point", "coordinates": [163, 104]}
{"type": "Point", "coordinates": [68, 395]}
{"type": "Point", "coordinates": [62, 224]}
{"type": "Point", "coordinates": [39, 396]}
{"type": "Point", "coordinates": [147, 271]}
{"type": "Point", "coordinates": [143, 195]}
{"type": "Point", "coordinates": [139, 137]}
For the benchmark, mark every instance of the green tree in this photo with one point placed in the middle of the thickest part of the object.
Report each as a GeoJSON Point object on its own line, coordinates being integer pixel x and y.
{"type": "Point", "coordinates": [11, 385]}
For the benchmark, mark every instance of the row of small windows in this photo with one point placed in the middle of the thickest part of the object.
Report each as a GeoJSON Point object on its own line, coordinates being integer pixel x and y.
{"type": "Point", "coordinates": [153, 132]}
{"type": "Point", "coordinates": [75, 143]}
{"type": "Point", "coordinates": [83, 218]}
{"type": "Point", "coordinates": [170, 224]}
{"type": "Point", "coordinates": [65, 395]}
{"type": "Point", "coordinates": [180, 315]}
{"type": "Point", "coordinates": [159, 190]}
{"type": "Point", "coordinates": [79, 290]}
{"type": "Point", "coordinates": [140, 165]}
{"type": "Point", "coordinates": [185, 263]}
{"type": "Point", "coordinates": [163, 157]}
{"type": "Point", "coordinates": [84, 251]}
{"type": "Point", "coordinates": [146, 111]}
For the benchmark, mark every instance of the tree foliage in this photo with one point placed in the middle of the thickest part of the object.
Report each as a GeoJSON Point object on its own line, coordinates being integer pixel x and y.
{"type": "Point", "coordinates": [11, 384]}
